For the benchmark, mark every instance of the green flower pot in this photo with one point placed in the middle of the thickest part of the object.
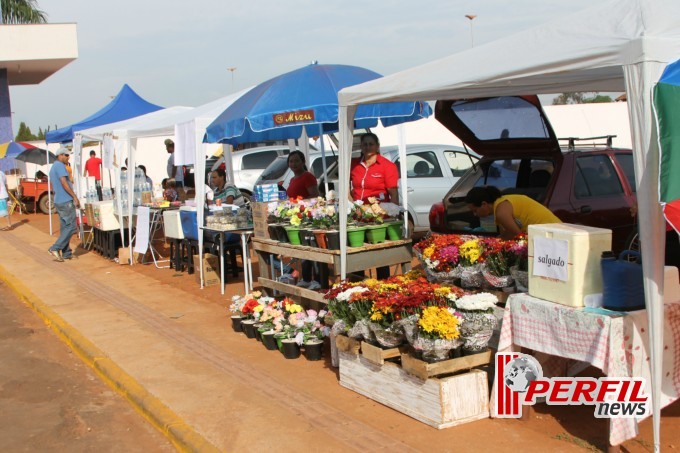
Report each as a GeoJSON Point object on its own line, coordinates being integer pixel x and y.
{"type": "Point", "coordinates": [395, 230]}
{"type": "Point", "coordinates": [293, 235]}
{"type": "Point", "coordinates": [375, 234]}
{"type": "Point", "coordinates": [356, 236]}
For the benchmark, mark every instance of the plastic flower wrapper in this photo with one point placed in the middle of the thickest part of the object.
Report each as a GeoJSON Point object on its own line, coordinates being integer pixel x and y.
{"type": "Point", "coordinates": [387, 337]}
{"type": "Point", "coordinates": [478, 320]}
{"type": "Point", "coordinates": [437, 333]}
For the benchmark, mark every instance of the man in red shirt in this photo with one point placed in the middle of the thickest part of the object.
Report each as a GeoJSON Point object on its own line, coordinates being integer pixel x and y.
{"type": "Point", "coordinates": [93, 167]}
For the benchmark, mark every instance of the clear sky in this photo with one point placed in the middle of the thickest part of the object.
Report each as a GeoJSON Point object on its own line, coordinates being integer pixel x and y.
{"type": "Point", "coordinates": [175, 52]}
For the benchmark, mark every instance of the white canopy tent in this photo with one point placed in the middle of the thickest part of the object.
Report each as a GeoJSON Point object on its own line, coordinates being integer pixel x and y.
{"type": "Point", "coordinates": [188, 126]}
{"type": "Point", "coordinates": [619, 45]}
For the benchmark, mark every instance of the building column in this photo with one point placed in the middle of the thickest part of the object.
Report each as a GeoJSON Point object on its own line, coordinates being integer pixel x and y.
{"type": "Point", "coordinates": [6, 133]}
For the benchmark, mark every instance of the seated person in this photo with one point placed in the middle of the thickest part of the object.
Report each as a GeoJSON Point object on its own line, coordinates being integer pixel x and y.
{"type": "Point", "coordinates": [169, 190]}
{"type": "Point", "coordinates": [224, 192]}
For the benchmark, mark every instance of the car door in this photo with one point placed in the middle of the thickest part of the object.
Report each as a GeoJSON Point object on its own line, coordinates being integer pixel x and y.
{"type": "Point", "coordinates": [599, 198]}
{"type": "Point", "coordinates": [427, 182]}
{"type": "Point", "coordinates": [252, 165]}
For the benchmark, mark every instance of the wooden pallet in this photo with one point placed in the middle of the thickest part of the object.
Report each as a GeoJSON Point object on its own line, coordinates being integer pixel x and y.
{"type": "Point", "coordinates": [377, 355]}
{"type": "Point", "coordinates": [439, 403]}
{"type": "Point", "coordinates": [425, 370]}
{"type": "Point", "coordinates": [347, 344]}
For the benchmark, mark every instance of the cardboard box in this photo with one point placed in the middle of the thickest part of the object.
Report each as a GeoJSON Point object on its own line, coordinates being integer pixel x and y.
{"type": "Point", "coordinates": [124, 256]}
{"type": "Point", "coordinates": [571, 254]}
{"type": "Point", "coordinates": [211, 269]}
{"type": "Point", "coordinates": [260, 224]}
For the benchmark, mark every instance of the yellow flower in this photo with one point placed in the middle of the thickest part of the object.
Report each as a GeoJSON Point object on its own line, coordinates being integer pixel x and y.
{"type": "Point", "coordinates": [376, 316]}
{"type": "Point", "coordinates": [429, 251]}
{"type": "Point", "coordinates": [258, 309]}
{"type": "Point", "coordinates": [293, 308]}
{"type": "Point", "coordinates": [439, 322]}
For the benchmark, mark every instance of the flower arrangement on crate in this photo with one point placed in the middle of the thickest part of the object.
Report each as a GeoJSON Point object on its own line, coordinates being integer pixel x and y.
{"type": "Point", "coordinates": [390, 311]}
{"type": "Point", "coordinates": [472, 259]}
{"type": "Point", "coordinates": [438, 333]}
{"type": "Point", "coordinates": [452, 257]}
{"type": "Point", "coordinates": [500, 256]}
{"type": "Point", "coordinates": [478, 320]}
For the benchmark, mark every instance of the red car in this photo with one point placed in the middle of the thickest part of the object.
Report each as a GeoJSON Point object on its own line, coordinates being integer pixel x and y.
{"type": "Point", "coordinates": [590, 184]}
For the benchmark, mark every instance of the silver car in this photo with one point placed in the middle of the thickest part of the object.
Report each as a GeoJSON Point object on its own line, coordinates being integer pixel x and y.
{"type": "Point", "coordinates": [431, 171]}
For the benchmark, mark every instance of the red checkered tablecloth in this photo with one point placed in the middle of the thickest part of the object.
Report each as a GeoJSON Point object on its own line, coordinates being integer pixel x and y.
{"type": "Point", "coordinates": [615, 343]}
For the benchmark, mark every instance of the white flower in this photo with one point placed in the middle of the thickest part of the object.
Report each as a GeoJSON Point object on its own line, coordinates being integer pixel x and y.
{"type": "Point", "coordinates": [476, 302]}
{"type": "Point", "coordinates": [345, 295]}
{"type": "Point", "coordinates": [299, 338]}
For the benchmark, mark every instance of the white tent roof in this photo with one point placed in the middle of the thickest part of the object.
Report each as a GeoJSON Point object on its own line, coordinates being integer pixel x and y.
{"type": "Point", "coordinates": [97, 133]}
{"type": "Point", "coordinates": [581, 52]}
{"type": "Point", "coordinates": [620, 45]}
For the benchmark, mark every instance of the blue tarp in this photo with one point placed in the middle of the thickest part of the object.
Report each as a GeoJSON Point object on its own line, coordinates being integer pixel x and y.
{"type": "Point", "coordinates": [127, 104]}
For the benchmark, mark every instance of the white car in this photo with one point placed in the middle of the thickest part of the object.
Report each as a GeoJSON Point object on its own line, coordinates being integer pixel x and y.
{"type": "Point", "coordinates": [431, 172]}
{"type": "Point", "coordinates": [248, 165]}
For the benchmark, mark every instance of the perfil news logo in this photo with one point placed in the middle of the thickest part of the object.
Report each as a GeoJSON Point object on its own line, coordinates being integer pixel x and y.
{"type": "Point", "coordinates": [520, 382]}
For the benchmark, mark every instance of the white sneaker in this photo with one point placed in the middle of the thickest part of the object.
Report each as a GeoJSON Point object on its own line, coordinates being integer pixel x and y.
{"type": "Point", "coordinates": [303, 284]}
{"type": "Point", "coordinates": [314, 285]}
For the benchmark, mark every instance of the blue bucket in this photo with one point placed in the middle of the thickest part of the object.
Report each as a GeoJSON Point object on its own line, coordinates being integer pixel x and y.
{"type": "Point", "coordinates": [622, 281]}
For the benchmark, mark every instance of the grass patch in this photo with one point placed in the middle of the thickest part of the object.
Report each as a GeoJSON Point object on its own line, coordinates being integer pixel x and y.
{"type": "Point", "coordinates": [577, 441]}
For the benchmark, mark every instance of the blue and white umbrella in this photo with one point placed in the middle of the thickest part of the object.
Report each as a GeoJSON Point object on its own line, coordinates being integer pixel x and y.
{"type": "Point", "coordinates": [279, 108]}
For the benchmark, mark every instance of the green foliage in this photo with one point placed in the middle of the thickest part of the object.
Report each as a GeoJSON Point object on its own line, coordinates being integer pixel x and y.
{"type": "Point", "coordinates": [25, 135]}
{"type": "Point", "coordinates": [579, 97]}
{"type": "Point", "coordinates": [22, 12]}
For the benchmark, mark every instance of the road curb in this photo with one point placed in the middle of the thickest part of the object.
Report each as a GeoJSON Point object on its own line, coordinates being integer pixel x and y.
{"type": "Point", "coordinates": [183, 436]}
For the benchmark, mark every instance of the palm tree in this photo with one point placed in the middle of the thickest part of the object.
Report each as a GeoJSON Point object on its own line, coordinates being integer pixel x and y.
{"type": "Point", "coordinates": [21, 12]}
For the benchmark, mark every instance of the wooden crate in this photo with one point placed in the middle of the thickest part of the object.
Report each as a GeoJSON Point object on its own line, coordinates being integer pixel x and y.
{"type": "Point", "coordinates": [439, 403]}
{"type": "Point", "coordinates": [425, 370]}
{"type": "Point", "coordinates": [347, 344]}
{"type": "Point", "coordinates": [378, 355]}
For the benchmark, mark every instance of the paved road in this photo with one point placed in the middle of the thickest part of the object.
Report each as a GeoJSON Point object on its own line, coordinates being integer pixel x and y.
{"type": "Point", "coordinates": [51, 401]}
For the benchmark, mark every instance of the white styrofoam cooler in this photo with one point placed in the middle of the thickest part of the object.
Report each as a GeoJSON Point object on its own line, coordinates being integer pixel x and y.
{"type": "Point", "coordinates": [582, 261]}
{"type": "Point", "coordinates": [173, 225]}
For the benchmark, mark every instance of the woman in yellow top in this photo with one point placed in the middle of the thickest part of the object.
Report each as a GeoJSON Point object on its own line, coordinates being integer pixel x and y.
{"type": "Point", "coordinates": [512, 213]}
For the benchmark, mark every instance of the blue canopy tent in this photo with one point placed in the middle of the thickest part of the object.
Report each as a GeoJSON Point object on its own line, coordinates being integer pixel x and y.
{"type": "Point", "coordinates": [126, 104]}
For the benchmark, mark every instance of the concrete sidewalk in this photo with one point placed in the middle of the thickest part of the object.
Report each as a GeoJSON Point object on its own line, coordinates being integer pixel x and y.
{"type": "Point", "coordinates": [172, 353]}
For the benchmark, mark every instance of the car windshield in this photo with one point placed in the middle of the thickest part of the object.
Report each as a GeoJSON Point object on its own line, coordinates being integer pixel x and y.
{"type": "Point", "coordinates": [528, 176]}
{"type": "Point", "coordinates": [276, 169]}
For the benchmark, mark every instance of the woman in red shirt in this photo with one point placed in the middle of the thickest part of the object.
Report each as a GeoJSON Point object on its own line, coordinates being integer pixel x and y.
{"type": "Point", "coordinates": [373, 175]}
{"type": "Point", "coordinates": [304, 183]}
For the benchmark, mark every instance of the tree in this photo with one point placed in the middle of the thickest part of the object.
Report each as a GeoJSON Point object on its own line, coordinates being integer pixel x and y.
{"type": "Point", "coordinates": [25, 134]}
{"type": "Point", "coordinates": [21, 12]}
{"type": "Point", "coordinates": [579, 97]}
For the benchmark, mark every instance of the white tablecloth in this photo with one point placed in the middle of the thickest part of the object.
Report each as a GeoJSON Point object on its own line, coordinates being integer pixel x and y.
{"type": "Point", "coordinates": [618, 344]}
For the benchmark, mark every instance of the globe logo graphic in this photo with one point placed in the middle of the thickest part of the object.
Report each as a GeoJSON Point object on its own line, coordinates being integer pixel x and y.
{"type": "Point", "coordinates": [521, 372]}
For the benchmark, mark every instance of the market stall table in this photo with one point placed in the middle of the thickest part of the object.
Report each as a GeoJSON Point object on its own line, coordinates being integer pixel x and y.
{"type": "Point", "coordinates": [358, 259]}
{"type": "Point", "coordinates": [615, 342]}
{"type": "Point", "coordinates": [245, 234]}
{"type": "Point", "coordinates": [156, 225]}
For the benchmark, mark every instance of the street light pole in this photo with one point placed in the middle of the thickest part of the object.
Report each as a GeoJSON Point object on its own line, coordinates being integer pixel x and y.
{"type": "Point", "coordinates": [232, 69]}
{"type": "Point", "coordinates": [471, 17]}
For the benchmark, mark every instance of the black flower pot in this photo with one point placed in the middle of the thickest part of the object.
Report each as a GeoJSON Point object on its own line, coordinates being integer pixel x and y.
{"type": "Point", "coordinates": [333, 240]}
{"type": "Point", "coordinates": [257, 326]}
{"type": "Point", "coordinates": [281, 234]}
{"type": "Point", "coordinates": [291, 350]}
{"type": "Point", "coordinates": [248, 328]}
{"type": "Point", "coordinates": [314, 351]}
{"type": "Point", "coordinates": [269, 341]}
{"type": "Point", "coordinates": [236, 323]}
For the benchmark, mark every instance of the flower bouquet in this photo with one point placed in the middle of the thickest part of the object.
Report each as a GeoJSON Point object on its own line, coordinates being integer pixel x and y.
{"type": "Point", "coordinates": [469, 265]}
{"type": "Point", "coordinates": [478, 320]}
{"type": "Point", "coordinates": [440, 255]}
{"type": "Point", "coordinates": [519, 270]}
{"type": "Point", "coordinates": [498, 258]}
{"type": "Point", "coordinates": [437, 333]}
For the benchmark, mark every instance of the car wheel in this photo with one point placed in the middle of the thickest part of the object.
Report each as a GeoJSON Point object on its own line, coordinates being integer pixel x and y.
{"type": "Point", "coordinates": [44, 204]}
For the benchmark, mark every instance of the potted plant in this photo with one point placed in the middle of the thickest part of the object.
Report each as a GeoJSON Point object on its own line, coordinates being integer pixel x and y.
{"type": "Point", "coordinates": [249, 309]}
{"type": "Point", "coordinates": [236, 313]}
{"type": "Point", "coordinates": [437, 333]}
{"type": "Point", "coordinates": [313, 333]}
{"type": "Point", "coordinates": [478, 319]}
{"type": "Point", "coordinates": [273, 321]}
